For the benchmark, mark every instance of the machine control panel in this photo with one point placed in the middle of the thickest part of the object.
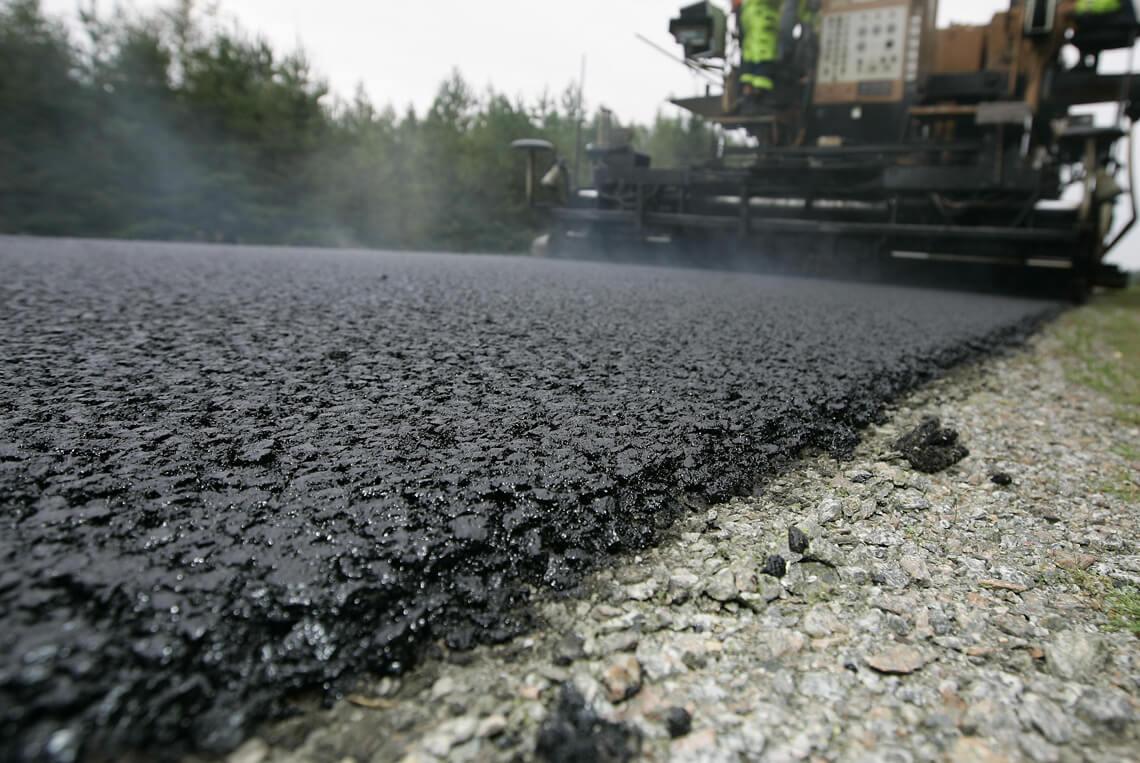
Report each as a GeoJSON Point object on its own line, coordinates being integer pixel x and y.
{"type": "Point", "coordinates": [858, 46]}
{"type": "Point", "coordinates": [868, 50]}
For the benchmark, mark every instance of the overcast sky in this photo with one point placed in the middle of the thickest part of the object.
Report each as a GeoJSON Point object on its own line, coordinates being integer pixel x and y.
{"type": "Point", "coordinates": [401, 51]}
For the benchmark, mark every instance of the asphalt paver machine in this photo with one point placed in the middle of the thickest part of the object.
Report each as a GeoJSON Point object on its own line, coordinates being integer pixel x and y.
{"type": "Point", "coordinates": [885, 139]}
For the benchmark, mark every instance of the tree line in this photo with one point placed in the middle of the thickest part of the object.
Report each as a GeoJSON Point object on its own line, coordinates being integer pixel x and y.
{"type": "Point", "coordinates": [173, 125]}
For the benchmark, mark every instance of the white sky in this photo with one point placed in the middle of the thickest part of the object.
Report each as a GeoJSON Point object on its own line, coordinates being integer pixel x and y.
{"type": "Point", "coordinates": [401, 50]}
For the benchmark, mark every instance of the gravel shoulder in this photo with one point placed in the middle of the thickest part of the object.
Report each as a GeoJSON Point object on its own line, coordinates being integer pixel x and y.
{"type": "Point", "coordinates": [931, 617]}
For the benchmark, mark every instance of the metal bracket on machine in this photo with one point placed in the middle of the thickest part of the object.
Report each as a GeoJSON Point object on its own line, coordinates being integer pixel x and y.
{"type": "Point", "coordinates": [533, 147]}
{"type": "Point", "coordinates": [1040, 17]}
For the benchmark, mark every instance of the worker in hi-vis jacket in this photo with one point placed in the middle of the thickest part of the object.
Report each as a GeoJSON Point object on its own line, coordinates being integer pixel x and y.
{"type": "Point", "coordinates": [759, 25]}
{"type": "Point", "coordinates": [1098, 7]}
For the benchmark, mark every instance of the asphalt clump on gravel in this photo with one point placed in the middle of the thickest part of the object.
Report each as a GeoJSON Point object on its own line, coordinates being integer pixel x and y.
{"type": "Point", "coordinates": [228, 474]}
{"type": "Point", "coordinates": [575, 734]}
{"type": "Point", "coordinates": [1001, 479]}
{"type": "Point", "coordinates": [776, 566]}
{"type": "Point", "coordinates": [932, 448]}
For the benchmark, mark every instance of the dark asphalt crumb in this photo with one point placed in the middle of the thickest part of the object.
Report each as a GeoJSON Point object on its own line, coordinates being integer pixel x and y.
{"type": "Point", "coordinates": [931, 448]}
{"type": "Point", "coordinates": [231, 474]}
{"type": "Point", "coordinates": [776, 566]}
{"type": "Point", "coordinates": [798, 541]}
{"type": "Point", "coordinates": [1001, 479]}
{"type": "Point", "coordinates": [678, 722]}
{"type": "Point", "coordinates": [574, 734]}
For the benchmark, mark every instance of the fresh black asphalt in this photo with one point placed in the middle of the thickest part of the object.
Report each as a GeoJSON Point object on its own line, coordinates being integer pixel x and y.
{"type": "Point", "coordinates": [226, 474]}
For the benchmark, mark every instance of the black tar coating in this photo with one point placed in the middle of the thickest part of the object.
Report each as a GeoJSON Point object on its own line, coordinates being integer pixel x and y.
{"type": "Point", "coordinates": [573, 733]}
{"type": "Point", "coordinates": [226, 474]}
{"type": "Point", "coordinates": [929, 448]}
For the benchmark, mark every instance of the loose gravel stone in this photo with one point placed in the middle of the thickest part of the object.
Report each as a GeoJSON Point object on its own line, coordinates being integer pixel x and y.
{"type": "Point", "coordinates": [1109, 708]}
{"type": "Point", "coordinates": [1073, 655]}
{"type": "Point", "coordinates": [253, 751]}
{"type": "Point", "coordinates": [1047, 718]}
{"type": "Point", "coordinates": [898, 660]}
{"type": "Point", "coordinates": [829, 511]}
{"type": "Point", "coordinates": [1038, 750]}
{"type": "Point", "coordinates": [722, 587]}
{"type": "Point", "coordinates": [491, 727]}
{"type": "Point", "coordinates": [623, 678]}
{"type": "Point", "coordinates": [910, 500]}
{"type": "Point", "coordinates": [682, 586]}
{"type": "Point", "coordinates": [915, 567]}
{"type": "Point", "coordinates": [450, 735]}
{"type": "Point", "coordinates": [569, 649]}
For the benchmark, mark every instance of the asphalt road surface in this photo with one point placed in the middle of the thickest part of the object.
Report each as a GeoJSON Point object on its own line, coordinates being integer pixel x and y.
{"type": "Point", "coordinates": [226, 473]}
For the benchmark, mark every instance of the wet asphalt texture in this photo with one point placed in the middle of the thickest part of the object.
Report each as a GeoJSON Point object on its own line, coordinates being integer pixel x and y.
{"type": "Point", "coordinates": [227, 474]}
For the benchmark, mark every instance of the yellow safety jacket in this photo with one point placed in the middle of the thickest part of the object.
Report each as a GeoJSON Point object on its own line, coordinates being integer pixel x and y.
{"type": "Point", "coordinates": [1097, 7]}
{"type": "Point", "coordinates": [760, 31]}
{"type": "Point", "coordinates": [760, 39]}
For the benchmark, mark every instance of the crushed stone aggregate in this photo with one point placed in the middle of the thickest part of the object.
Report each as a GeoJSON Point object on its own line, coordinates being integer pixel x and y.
{"type": "Point", "coordinates": [227, 474]}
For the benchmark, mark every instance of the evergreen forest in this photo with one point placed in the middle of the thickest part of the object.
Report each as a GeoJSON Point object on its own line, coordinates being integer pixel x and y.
{"type": "Point", "coordinates": [177, 125]}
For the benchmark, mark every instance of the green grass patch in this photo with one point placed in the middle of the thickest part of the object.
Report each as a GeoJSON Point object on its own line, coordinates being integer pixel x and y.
{"type": "Point", "coordinates": [1102, 352]}
{"type": "Point", "coordinates": [1129, 452]}
{"type": "Point", "coordinates": [1093, 585]}
{"type": "Point", "coordinates": [1102, 343]}
{"type": "Point", "coordinates": [1120, 605]}
{"type": "Point", "coordinates": [1123, 487]}
{"type": "Point", "coordinates": [1123, 606]}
